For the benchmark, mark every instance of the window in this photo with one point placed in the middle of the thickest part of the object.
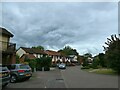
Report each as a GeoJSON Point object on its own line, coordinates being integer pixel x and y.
{"type": "Point", "coordinates": [12, 66]}
{"type": "Point", "coordinates": [24, 67]}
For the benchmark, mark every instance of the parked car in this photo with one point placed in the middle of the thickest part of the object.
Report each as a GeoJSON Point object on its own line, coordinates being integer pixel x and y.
{"type": "Point", "coordinates": [19, 72]}
{"type": "Point", "coordinates": [4, 76]}
{"type": "Point", "coordinates": [62, 66]}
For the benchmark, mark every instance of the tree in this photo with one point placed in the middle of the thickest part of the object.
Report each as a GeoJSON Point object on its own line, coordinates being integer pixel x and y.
{"type": "Point", "coordinates": [39, 64]}
{"type": "Point", "coordinates": [31, 62]}
{"type": "Point", "coordinates": [102, 61]}
{"type": "Point", "coordinates": [112, 52]}
{"type": "Point", "coordinates": [39, 47]}
{"type": "Point", "coordinates": [85, 62]}
{"type": "Point", "coordinates": [85, 59]}
{"type": "Point", "coordinates": [95, 62]}
{"type": "Point", "coordinates": [67, 50]}
{"type": "Point", "coordinates": [44, 62]}
{"type": "Point", "coordinates": [17, 59]}
{"type": "Point", "coordinates": [87, 55]}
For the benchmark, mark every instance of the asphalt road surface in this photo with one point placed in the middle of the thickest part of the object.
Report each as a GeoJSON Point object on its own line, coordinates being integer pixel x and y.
{"type": "Point", "coordinates": [71, 77]}
{"type": "Point", "coordinates": [74, 77]}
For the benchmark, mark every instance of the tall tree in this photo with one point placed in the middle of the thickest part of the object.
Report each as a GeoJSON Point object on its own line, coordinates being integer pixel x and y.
{"type": "Point", "coordinates": [112, 52]}
{"type": "Point", "coordinates": [102, 61]}
{"type": "Point", "coordinates": [87, 55]}
{"type": "Point", "coordinates": [39, 47]}
{"type": "Point", "coordinates": [67, 50]}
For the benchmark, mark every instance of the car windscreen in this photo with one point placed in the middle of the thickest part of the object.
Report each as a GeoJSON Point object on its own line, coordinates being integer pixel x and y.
{"type": "Point", "coordinates": [24, 67]}
{"type": "Point", "coordinates": [3, 69]}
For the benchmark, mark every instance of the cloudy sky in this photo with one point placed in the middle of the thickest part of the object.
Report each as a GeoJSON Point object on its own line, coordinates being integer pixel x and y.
{"type": "Point", "coordinates": [84, 26]}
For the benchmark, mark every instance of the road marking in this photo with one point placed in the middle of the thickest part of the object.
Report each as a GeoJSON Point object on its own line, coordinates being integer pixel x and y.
{"type": "Point", "coordinates": [64, 80]}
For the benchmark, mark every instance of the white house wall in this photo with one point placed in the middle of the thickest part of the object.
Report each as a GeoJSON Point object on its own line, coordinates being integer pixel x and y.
{"type": "Point", "coordinates": [56, 58]}
{"type": "Point", "coordinates": [20, 52]}
{"type": "Point", "coordinates": [38, 55]}
{"type": "Point", "coordinates": [75, 58]}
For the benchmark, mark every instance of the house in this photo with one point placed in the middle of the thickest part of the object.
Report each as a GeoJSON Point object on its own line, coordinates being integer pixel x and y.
{"type": "Point", "coordinates": [7, 49]}
{"type": "Point", "coordinates": [30, 53]}
{"type": "Point", "coordinates": [90, 60]}
{"type": "Point", "coordinates": [26, 56]}
{"type": "Point", "coordinates": [33, 53]}
{"type": "Point", "coordinates": [56, 56]}
{"type": "Point", "coordinates": [73, 58]}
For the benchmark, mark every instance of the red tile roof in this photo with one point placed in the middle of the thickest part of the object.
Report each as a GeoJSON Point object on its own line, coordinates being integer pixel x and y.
{"type": "Point", "coordinates": [33, 50]}
{"type": "Point", "coordinates": [50, 52]}
{"type": "Point", "coordinates": [28, 56]}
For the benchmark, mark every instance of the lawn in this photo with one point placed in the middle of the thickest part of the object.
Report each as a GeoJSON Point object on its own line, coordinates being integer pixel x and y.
{"type": "Point", "coordinates": [102, 71]}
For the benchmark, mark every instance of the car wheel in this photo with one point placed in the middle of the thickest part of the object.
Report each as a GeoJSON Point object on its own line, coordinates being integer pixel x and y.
{"type": "Point", "coordinates": [27, 78]}
{"type": "Point", "coordinates": [13, 79]}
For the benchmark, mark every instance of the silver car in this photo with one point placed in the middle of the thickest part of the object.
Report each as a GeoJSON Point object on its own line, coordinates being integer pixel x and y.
{"type": "Point", "coordinates": [19, 72]}
{"type": "Point", "coordinates": [4, 75]}
{"type": "Point", "coordinates": [62, 66]}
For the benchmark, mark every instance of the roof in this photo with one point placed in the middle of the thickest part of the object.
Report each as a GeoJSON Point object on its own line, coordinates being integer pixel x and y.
{"type": "Point", "coordinates": [5, 32]}
{"type": "Point", "coordinates": [33, 50]}
{"type": "Point", "coordinates": [29, 56]}
{"type": "Point", "coordinates": [27, 50]}
{"type": "Point", "coordinates": [37, 51]}
{"type": "Point", "coordinates": [50, 52]}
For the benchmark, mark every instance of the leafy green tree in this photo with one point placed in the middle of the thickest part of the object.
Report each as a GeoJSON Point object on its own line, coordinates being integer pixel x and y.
{"type": "Point", "coordinates": [67, 50]}
{"type": "Point", "coordinates": [47, 61]}
{"type": "Point", "coordinates": [96, 62]}
{"type": "Point", "coordinates": [99, 61]}
{"type": "Point", "coordinates": [112, 52]}
{"type": "Point", "coordinates": [17, 59]}
{"type": "Point", "coordinates": [85, 59]}
{"type": "Point", "coordinates": [39, 47]}
{"type": "Point", "coordinates": [32, 63]}
{"type": "Point", "coordinates": [87, 55]}
{"type": "Point", "coordinates": [102, 61]}
{"type": "Point", "coordinates": [44, 62]}
{"type": "Point", "coordinates": [85, 62]}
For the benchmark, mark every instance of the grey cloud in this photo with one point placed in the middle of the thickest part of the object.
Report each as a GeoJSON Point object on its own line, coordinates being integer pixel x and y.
{"type": "Point", "coordinates": [83, 26]}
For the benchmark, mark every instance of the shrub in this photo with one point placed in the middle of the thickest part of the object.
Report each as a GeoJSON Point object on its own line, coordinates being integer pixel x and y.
{"type": "Point", "coordinates": [46, 68]}
{"type": "Point", "coordinates": [85, 67]}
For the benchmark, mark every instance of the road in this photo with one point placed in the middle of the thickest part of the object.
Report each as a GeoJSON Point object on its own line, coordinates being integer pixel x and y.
{"type": "Point", "coordinates": [71, 77]}
{"type": "Point", "coordinates": [74, 77]}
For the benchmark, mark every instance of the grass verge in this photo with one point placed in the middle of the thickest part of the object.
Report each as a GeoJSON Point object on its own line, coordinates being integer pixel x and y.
{"type": "Point", "coordinates": [102, 71]}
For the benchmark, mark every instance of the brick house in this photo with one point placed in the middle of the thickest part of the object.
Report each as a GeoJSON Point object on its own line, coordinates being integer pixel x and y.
{"type": "Point", "coordinates": [56, 56]}
{"type": "Point", "coordinates": [29, 53]}
{"type": "Point", "coordinates": [6, 48]}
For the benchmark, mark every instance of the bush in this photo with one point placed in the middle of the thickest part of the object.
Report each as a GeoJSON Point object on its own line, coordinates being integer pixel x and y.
{"type": "Point", "coordinates": [85, 67]}
{"type": "Point", "coordinates": [90, 66]}
{"type": "Point", "coordinates": [53, 65]}
{"type": "Point", "coordinates": [39, 68]}
{"type": "Point", "coordinates": [46, 68]}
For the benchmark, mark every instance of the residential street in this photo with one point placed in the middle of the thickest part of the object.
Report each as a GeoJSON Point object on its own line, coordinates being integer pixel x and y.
{"type": "Point", "coordinates": [76, 78]}
{"type": "Point", "coordinates": [71, 77]}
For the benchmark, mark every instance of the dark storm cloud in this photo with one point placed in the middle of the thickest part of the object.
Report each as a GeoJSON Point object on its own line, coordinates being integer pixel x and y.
{"type": "Point", "coordinates": [84, 26]}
